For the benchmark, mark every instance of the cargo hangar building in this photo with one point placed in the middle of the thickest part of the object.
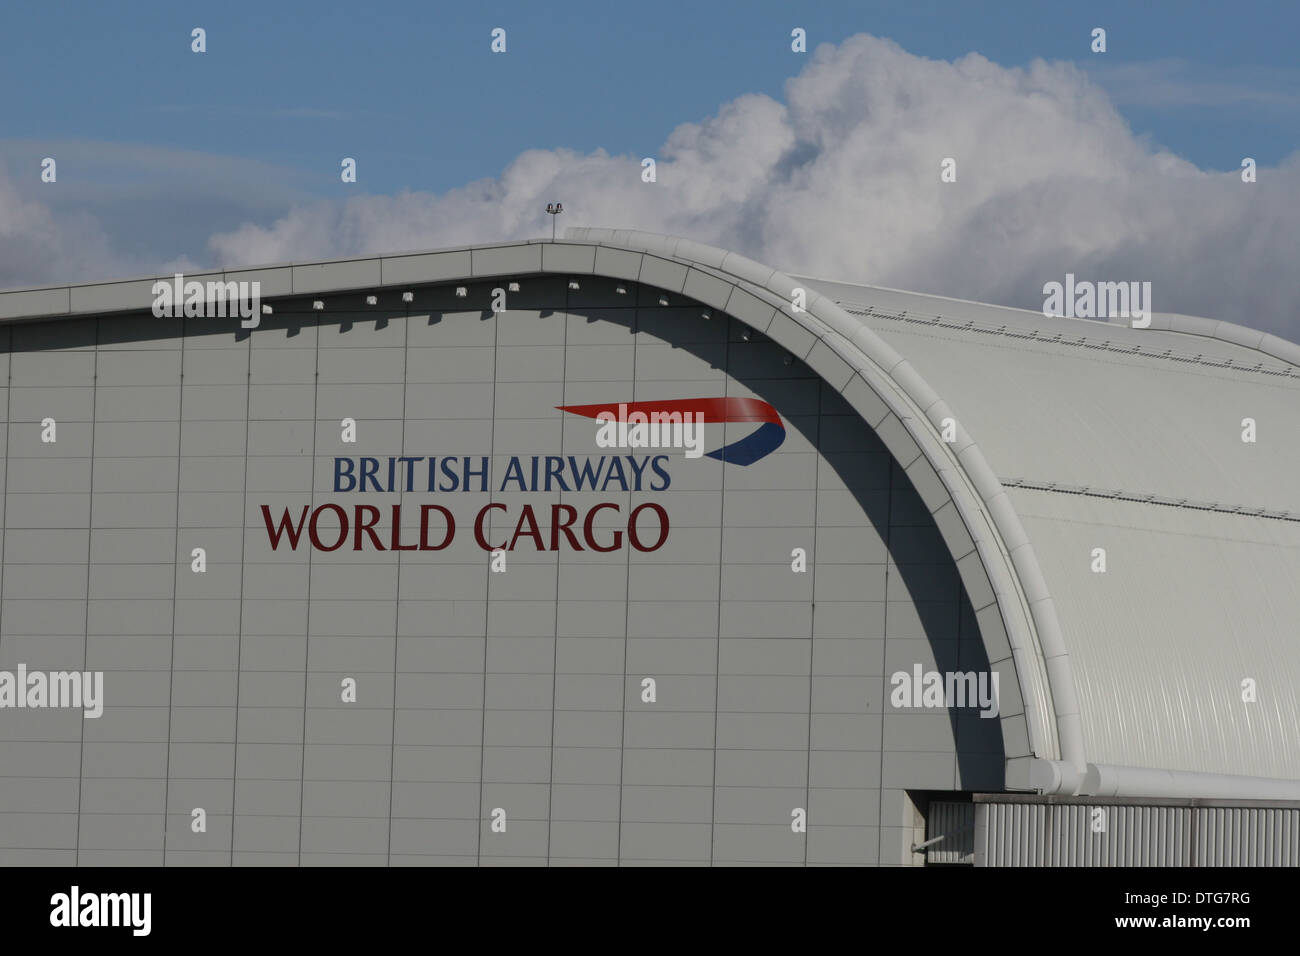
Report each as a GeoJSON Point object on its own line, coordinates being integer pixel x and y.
{"type": "Point", "coordinates": [365, 588]}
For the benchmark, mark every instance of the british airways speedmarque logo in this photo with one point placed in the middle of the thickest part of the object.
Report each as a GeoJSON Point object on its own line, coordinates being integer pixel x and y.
{"type": "Point", "coordinates": [602, 526]}
{"type": "Point", "coordinates": [679, 423]}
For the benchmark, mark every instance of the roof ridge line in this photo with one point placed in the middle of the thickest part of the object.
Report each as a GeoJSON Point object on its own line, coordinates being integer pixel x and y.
{"type": "Point", "coordinates": [1291, 369]}
{"type": "Point", "coordinates": [1147, 498]}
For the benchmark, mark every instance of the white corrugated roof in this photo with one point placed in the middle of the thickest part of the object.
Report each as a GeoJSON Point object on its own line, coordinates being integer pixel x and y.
{"type": "Point", "coordinates": [1194, 601]}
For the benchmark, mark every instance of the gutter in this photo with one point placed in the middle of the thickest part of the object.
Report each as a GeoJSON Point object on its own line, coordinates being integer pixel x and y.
{"type": "Point", "coordinates": [1112, 780]}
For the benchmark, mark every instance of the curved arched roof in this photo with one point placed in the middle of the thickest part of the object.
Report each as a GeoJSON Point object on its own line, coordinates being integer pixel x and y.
{"type": "Point", "coordinates": [1131, 440]}
{"type": "Point", "coordinates": [1071, 435]}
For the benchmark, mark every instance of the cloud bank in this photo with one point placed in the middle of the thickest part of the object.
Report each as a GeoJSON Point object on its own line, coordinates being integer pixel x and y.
{"type": "Point", "coordinates": [842, 180]}
{"type": "Point", "coordinates": [37, 245]}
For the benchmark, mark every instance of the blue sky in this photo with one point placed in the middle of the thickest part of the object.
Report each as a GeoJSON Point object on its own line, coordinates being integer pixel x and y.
{"type": "Point", "coordinates": [411, 90]}
{"type": "Point", "coordinates": [167, 157]}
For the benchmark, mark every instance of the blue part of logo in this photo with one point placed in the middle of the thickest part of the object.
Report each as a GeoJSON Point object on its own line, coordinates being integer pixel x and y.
{"type": "Point", "coordinates": [766, 439]}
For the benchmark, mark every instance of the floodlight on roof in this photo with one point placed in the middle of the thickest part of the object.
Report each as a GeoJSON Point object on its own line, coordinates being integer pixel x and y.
{"type": "Point", "coordinates": [554, 208]}
{"type": "Point", "coordinates": [408, 296]}
{"type": "Point", "coordinates": [318, 305]}
{"type": "Point", "coordinates": [461, 292]}
{"type": "Point", "coordinates": [372, 300]}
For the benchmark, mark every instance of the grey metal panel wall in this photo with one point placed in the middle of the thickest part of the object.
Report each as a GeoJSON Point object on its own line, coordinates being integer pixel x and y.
{"type": "Point", "coordinates": [475, 690]}
{"type": "Point", "coordinates": [1036, 834]}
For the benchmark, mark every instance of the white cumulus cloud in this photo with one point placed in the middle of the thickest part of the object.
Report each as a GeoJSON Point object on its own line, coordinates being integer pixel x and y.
{"type": "Point", "coordinates": [36, 244]}
{"type": "Point", "coordinates": [842, 180]}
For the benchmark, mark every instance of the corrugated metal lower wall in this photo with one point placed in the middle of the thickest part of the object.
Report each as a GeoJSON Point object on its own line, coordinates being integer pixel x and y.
{"type": "Point", "coordinates": [952, 825]}
{"type": "Point", "coordinates": [1244, 836]}
{"type": "Point", "coordinates": [1019, 832]}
